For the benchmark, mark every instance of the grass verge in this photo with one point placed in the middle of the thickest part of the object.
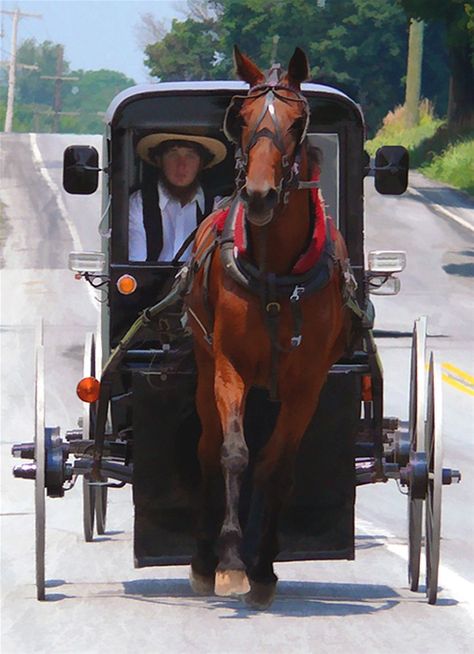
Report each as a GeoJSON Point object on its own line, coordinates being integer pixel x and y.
{"type": "Point", "coordinates": [433, 150]}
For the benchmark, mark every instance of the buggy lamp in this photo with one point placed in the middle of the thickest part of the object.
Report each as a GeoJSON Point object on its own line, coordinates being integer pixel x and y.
{"type": "Point", "coordinates": [91, 262]}
{"type": "Point", "coordinates": [126, 284]}
{"type": "Point", "coordinates": [384, 285]}
{"type": "Point", "coordinates": [88, 389]}
{"type": "Point", "coordinates": [387, 261]}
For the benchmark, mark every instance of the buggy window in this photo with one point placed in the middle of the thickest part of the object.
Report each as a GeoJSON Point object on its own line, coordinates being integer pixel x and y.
{"type": "Point", "coordinates": [327, 148]}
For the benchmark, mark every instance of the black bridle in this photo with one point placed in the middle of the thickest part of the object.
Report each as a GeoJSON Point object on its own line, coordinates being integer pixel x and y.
{"type": "Point", "coordinates": [290, 169]}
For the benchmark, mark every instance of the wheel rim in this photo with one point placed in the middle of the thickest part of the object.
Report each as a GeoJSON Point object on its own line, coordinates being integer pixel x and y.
{"type": "Point", "coordinates": [89, 370]}
{"type": "Point", "coordinates": [433, 446]}
{"type": "Point", "coordinates": [88, 505]}
{"type": "Point", "coordinates": [88, 428]}
{"type": "Point", "coordinates": [40, 461]}
{"type": "Point", "coordinates": [416, 430]}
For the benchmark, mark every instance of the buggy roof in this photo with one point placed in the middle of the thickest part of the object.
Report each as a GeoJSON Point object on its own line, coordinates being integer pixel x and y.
{"type": "Point", "coordinates": [147, 90]}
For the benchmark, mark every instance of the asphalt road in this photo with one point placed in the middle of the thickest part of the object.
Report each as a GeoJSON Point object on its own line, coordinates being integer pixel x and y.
{"type": "Point", "coordinates": [96, 600]}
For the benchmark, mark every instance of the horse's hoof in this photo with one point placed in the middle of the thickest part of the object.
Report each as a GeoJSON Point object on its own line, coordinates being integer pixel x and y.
{"type": "Point", "coordinates": [261, 595]}
{"type": "Point", "coordinates": [231, 582]}
{"type": "Point", "coordinates": [200, 584]}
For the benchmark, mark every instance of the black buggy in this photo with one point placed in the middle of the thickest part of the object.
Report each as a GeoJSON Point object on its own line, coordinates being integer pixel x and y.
{"type": "Point", "coordinates": [140, 424]}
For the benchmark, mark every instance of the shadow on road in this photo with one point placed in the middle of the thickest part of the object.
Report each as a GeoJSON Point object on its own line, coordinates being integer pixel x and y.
{"type": "Point", "coordinates": [293, 598]}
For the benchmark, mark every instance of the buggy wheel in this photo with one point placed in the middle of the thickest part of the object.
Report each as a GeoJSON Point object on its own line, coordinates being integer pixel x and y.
{"type": "Point", "coordinates": [88, 507]}
{"type": "Point", "coordinates": [101, 508]}
{"type": "Point", "coordinates": [89, 415]}
{"type": "Point", "coordinates": [94, 497]}
{"type": "Point", "coordinates": [416, 433]}
{"type": "Point", "coordinates": [88, 428]}
{"type": "Point", "coordinates": [434, 456]}
{"type": "Point", "coordinates": [40, 463]}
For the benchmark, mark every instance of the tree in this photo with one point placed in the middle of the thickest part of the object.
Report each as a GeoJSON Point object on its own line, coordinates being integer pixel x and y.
{"type": "Point", "coordinates": [90, 96]}
{"type": "Point", "coordinates": [188, 51]}
{"type": "Point", "coordinates": [150, 30]}
{"type": "Point", "coordinates": [357, 45]}
{"type": "Point", "coordinates": [458, 19]}
{"type": "Point", "coordinates": [31, 89]}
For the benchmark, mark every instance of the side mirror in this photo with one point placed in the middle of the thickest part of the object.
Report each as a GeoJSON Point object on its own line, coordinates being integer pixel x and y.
{"type": "Point", "coordinates": [391, 170]}
{"type": "Point", "coordinates": [80, 169]}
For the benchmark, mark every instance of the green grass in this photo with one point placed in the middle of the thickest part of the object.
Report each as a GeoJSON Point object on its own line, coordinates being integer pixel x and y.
{"type": "Point", "coordinates": [454, 166]}
{"type": "Point", "coordinates": [394, 132]}
{"type": "Point", "coordinates": [433, 150]}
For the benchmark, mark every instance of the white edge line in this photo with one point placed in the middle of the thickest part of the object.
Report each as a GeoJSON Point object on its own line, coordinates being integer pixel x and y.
{"type": "Point", "coordinates": [461, 589]}
{"type": "Point", "coordinates": [443, 210]}
{"type": "Point", "coordinates": [76, 241]}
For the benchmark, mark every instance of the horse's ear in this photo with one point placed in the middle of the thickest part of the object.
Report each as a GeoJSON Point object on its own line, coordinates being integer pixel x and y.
{"type": "Point", "coordinates": [246, 69]}
{"type": "Point", "coordinates": [298, 69]}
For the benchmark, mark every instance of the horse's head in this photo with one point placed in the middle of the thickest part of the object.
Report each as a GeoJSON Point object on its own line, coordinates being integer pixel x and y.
{"type": "Point", "coordinates": [268, 126]}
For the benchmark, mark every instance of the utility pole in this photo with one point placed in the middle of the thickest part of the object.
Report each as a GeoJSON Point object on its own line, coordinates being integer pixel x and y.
{"type": "Point", "coordinates": [17, 14]}
{"type": "Point", "coordinates": [58, 82]}
{"type": "Point", "coordinates": [413, 85]}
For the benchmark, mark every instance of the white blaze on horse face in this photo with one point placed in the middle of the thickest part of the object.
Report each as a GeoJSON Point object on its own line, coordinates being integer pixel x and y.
{"type": "Point", "coordinates": [261, 169]}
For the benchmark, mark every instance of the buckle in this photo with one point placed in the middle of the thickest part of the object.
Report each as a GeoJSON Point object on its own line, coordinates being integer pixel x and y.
{"type": "Point", "coordinates": [273, 307]}
{"type": "Point", "coordinates": [297, 292]}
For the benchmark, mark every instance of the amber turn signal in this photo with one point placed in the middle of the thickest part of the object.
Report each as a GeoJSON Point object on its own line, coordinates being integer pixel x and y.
{"type": "Point", "coordinates": [367, 394]}
{"type": "Point", "coordinates": [88, 389]}
{"type": "Point", "coordinates": [126, 284]}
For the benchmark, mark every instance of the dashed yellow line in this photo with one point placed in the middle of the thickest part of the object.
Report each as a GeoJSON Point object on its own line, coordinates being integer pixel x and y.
{"type": "Point", "coordinates": [457, 378]}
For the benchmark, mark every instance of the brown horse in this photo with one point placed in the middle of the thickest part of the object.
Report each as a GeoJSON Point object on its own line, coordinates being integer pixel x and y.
{"type": "Point", "coordinates": [260, 319]}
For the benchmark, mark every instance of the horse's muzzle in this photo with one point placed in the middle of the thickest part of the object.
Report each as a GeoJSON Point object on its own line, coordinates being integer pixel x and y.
{"type": "Point", "coordinates": [259, 205]}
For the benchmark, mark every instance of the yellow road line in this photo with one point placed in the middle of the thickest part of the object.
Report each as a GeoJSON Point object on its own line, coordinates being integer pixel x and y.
{"type": "Point", "coordinates": [459, 373]}
{"type": "Point", "coordinates": [458, 378]}
{"type": "Point", "coordinates": [458, 385]}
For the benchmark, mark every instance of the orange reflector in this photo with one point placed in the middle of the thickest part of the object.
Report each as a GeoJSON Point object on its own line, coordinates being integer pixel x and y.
{"type": "Point", "coordinates": [126, 284]}
{"type": "Point", "coordinates": [88, 389]}
{"type": "Point", "coordinates": [367, 388]}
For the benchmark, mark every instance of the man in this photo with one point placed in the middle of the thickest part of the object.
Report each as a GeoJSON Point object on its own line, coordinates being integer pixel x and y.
{"type": "Point", "coordinates": [163, 213]}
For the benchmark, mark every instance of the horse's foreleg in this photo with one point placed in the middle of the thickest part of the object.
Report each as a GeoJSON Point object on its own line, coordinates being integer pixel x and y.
{"type": "Point", "coordinates": [230, 392]}
{"type": "Point", "coordinates": [273, 480]}
{"type": "Point", "coordinates": [204, 562]}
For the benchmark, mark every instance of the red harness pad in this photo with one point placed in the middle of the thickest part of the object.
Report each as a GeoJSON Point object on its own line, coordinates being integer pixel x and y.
{"type": "Point", "coordinates": [308, 258]}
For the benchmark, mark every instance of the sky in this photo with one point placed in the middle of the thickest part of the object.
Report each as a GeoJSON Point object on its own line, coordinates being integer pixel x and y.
{"type": "Point", "coordinates": [96, 33]}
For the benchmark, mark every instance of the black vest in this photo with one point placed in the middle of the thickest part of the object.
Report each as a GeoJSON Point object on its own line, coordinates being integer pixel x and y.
{"type": "Point", "coordinates": [153, 223]}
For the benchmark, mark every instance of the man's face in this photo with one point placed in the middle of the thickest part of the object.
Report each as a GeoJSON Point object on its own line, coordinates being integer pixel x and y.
{"type": "Point", "coordinates": [180, 165]}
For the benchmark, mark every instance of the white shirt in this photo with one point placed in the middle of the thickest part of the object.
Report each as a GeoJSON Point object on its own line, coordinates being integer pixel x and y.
{"type": "Point", "coordinates": [178, 223]}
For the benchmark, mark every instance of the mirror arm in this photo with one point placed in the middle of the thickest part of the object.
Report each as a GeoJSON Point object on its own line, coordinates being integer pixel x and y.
{"type": "Point", "coordinates": [393, 168]}
{"type": "Point", "coordinates": [86, 167]}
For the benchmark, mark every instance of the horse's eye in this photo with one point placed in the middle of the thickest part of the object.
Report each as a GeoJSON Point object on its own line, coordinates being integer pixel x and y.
{"type": "Point", "coordinates": [298, 126]}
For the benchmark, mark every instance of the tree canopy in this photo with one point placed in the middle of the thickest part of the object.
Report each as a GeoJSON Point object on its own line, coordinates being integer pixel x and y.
{"type": "Point", "coordinates": [358, 45]}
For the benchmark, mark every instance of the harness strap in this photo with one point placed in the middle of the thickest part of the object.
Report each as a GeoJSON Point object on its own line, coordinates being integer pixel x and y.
{"type": "Point", "coordinates": [200, 259]}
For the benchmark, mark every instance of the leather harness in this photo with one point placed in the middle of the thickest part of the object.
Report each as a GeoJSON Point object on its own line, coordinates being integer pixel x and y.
{"type": "Point", "coordinates": [272, 289]}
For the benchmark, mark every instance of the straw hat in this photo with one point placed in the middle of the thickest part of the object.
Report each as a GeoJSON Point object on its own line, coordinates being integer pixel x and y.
{"type": "Point", "coordinates": [217, 149]}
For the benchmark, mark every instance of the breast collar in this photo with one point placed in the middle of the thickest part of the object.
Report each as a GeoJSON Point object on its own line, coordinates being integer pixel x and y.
{"type": "Point", "coordinates": [312, 271]}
